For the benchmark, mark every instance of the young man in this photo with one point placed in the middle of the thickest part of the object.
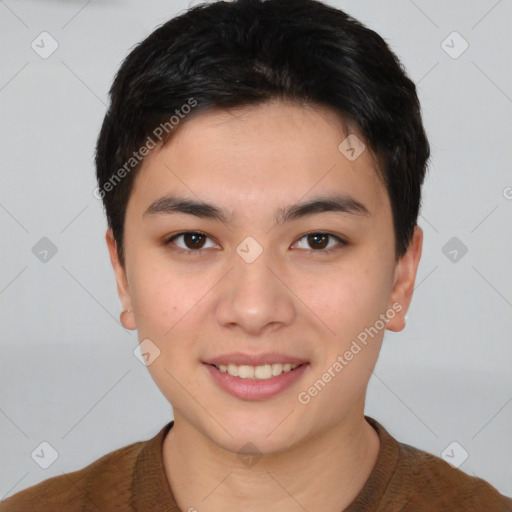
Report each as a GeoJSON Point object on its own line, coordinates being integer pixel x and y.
{"type": "Point", "coordinates": [261, 167]}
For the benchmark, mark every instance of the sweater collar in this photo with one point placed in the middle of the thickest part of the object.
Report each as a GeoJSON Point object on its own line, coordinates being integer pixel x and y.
{"type": "Point", "coordinates": [374, 489]}
{"type": "Point", "coordinates": [151, 490]}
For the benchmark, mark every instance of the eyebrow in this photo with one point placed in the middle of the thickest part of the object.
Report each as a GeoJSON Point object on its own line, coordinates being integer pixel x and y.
{"type": "Point", "coordinates": [170, 204]}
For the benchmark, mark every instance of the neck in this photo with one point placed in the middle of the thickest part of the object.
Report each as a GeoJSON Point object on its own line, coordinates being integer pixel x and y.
{"type": "Point", "coordinates": [334, 466]}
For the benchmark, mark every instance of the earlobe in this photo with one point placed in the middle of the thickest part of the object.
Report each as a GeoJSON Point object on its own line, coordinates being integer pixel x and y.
{"type": "Point", "coordinates": [126, 317]}
{"type": "Point", "coordinates": [405, 277]}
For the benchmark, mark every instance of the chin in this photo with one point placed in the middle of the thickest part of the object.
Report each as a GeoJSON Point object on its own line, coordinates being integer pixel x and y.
{"type": "Point", "coordinates": [269, 434]}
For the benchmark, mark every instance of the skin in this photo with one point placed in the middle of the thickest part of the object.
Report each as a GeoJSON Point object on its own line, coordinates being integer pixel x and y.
{"type": "Point", "coordinates": [293, 299]}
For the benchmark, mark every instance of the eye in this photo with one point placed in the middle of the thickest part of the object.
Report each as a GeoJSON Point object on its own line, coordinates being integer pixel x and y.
{"type": "Point", "coordinates": [192, 241]}
{"type": "Point", "coordinates": [319, 240]}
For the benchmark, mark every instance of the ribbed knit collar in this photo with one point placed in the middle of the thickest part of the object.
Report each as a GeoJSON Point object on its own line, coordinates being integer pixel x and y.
{"type": "Point", "coordinates": [151, 490]}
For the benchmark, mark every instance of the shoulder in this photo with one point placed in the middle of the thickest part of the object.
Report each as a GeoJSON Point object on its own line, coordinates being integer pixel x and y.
{"type": "Point", "coordinates": [433, 482]}
{"type": "Point", "coordinates": [105, 481]}
{"type": "Point", "coordinates": [408, 479]}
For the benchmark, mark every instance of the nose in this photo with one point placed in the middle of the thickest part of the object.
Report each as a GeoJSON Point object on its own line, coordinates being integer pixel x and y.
{"type": "Point", "coordinates": [254, 297]}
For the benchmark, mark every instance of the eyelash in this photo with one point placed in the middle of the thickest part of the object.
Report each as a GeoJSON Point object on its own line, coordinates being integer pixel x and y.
{"type": "Point", "coordinates": [191, 252]}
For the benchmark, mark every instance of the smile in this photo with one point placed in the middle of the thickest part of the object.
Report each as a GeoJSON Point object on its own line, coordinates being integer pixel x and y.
{"type": "Point", "coordinates": [260, 372]}
{"type": "Point", "coordinates": [255, 382]}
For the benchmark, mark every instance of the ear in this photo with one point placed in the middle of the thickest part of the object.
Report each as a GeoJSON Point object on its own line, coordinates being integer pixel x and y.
{"type": "Point", "coordinates": [127, 317]}
{"type": "Point", "coordinates": [405, 277]}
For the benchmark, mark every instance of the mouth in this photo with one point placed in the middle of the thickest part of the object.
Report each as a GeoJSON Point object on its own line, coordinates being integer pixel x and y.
{"type": "Point", "coordinates": [260, 382]}
{"type": "Point", "coordinates": [260, 372]}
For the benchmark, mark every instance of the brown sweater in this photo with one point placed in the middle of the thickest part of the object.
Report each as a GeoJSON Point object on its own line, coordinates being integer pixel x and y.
{"type": "Point", "coordinates": [132, 479]}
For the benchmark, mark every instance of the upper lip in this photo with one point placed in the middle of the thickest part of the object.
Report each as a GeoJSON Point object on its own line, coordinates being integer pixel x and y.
{"type": "Point", "coordinates": [255, 359]}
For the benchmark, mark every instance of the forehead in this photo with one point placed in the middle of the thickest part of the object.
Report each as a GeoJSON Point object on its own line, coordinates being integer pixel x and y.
{"type": "Point", "coordinates": [253, 157]}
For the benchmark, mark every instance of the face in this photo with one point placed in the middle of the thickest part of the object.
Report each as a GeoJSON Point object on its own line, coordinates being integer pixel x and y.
{"type": "Point", "coordinates": [252, 275]}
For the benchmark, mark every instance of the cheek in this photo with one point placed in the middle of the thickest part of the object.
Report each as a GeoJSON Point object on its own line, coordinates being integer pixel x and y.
{"type": "Point", "coordinates": [161, 298]}
{"type": "Point", "coordinates": [154, 308]}
{"type": "Point", "coordinates": [350, 304]}
{"type": "Point", "coordinates": [167, 308]}
{"type": "Point", "coordinates": [347, 299]}
{"type": "Point", "coordinates": [170, 311]}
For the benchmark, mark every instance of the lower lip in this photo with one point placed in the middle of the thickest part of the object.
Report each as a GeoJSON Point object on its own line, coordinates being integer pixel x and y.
{"type": "Point", "coordinates": [255, 389]}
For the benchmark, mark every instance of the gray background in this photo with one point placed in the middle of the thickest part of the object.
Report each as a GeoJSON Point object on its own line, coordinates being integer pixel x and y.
{"type": "Point", "coordinates": [68, 373]}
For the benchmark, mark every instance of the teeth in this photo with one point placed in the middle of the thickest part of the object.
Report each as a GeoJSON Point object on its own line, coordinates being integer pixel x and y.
{"type": "Point", "coordinates": [246, 372]}
{"type": "Point", "coordinates": [261, 372]}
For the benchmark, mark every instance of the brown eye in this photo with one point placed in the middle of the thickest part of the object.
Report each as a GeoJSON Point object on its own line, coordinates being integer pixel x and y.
{"type": "Point", "coordinates": [194, 240]}
{"type": "Point", "coordinates": [189, 241]}
{"type": "Point", "coordinates": [321, 242]}
{"type": "Point", "coordinates": [318, 240]}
